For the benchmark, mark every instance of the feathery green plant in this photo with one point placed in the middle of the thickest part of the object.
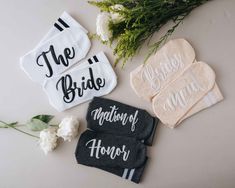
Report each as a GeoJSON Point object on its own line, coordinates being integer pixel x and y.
{"type": "Point", "coordinates": [142, 18]}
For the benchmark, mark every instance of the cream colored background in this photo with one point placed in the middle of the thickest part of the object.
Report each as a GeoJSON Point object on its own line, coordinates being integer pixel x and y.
{"type": "Point", "coordinates": [199, 153]}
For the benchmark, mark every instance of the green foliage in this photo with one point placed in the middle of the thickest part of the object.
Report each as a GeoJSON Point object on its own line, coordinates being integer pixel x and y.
{"type": "Point", "coordinates": [43, 118]}
{"type": "Point", "coordinates": [39, 122]}
{"type": "Point", "coordinates": [142, 18]}
{"type": "Point", "coordinates": [36, 123]}
{"type": "Point", "coordinates": [4, 125]}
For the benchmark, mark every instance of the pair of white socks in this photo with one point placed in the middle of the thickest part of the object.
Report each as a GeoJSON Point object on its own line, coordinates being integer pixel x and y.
{"type": "Point", "coordinates": [64, 45]}
{"type": "Point", "coordinates": [177, 85]}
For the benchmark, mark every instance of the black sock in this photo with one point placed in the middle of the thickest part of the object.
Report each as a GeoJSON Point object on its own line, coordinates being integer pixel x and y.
{"type": "Point", "coordinates": [100, 149]}
{"type": "Point", "coordinates": [113, 117]}
{"type": "Point", "coordinates": [133, 174]}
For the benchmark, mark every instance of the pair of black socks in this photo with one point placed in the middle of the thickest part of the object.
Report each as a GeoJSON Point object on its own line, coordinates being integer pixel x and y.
{"type": "Point", "coordinates": [116, 141]}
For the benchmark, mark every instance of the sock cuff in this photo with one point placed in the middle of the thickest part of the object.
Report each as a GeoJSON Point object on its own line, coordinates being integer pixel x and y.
{"type": "Point", "coordinates": [66, 19]}
{"type": "Point", "coordinates": [149, 140]}
{"type": "Point", "coordinates": [63, 22]}
{"type": "Point", "coordinates": [134, 174]}
{"type": "Point", "coordinates": [137, 174]}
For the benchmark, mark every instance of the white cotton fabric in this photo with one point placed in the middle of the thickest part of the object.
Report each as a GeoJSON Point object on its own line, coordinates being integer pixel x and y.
{"type": "Point", "coordinates": [80, 76]}
{"type": "Point", "coordinates": [73, 37]}
{"type": "Point", "coordinates": [68, 20]}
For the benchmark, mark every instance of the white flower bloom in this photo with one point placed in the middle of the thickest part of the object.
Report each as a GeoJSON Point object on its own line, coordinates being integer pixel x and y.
{"type": "Point", "coordinates": [115, 16]}
{"type": "Point", "coordinates": [48, 139]}
{"type": "Point", "coordinates": [102, 26]}
{"type": "Point", "coordinates": [68, 128]}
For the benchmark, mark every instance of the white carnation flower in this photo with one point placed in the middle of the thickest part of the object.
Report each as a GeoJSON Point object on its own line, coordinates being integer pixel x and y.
{"type": "Point", "coordinates": [68, 128]}
{"type": "Point", "coordinates": [115, 16]}
{"type": "Point", "coordinates": [48, 139]}
{"type": "Point", "coordinates": [102, 26]}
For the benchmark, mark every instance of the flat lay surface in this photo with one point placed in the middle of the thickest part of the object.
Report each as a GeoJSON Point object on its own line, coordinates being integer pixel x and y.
{"type": "Point", "coordinates": [197, 153]}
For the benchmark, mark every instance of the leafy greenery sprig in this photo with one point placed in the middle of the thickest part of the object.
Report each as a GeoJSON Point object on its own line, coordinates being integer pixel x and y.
{"type": "Point", "coordinates": [142, 18]}
{"type": "Point", "coordinates": [36, 123]}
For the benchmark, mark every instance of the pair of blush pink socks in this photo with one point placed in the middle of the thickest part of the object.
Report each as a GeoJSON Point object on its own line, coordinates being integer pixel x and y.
{"type": "Point", "coordinates": [175, 83]}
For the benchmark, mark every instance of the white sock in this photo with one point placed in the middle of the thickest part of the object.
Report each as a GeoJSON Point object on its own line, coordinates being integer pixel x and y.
{"type": "Point", "coordinates": [92, 78]}
{"type": "Point", "coordinates": [63, 22]}
{"type": "Point", "coordinates": [63, 46]}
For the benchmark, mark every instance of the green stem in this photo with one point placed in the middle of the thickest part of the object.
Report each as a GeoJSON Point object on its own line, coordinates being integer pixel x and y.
{"type": "Point", "coordinates": [12, 126]}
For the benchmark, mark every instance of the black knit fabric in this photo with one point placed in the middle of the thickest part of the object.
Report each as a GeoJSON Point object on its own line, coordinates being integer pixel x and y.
{"type": "Point", "coordinates": [108, 150]}
{"type": "Point", "coordinates": [109, 116]}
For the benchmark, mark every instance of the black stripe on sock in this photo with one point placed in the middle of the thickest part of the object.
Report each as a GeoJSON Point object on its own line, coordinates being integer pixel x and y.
{"type": "Point", "coordinates": [95, 58]}
{"type": "Point", "coordinates": [58, 27]}
{"type": "Point", "coordinates": [90, 61]}
{"type": "Point", "coordinates": [128, 173]}
{"type": "Point", "coordinates": [63, 23]}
